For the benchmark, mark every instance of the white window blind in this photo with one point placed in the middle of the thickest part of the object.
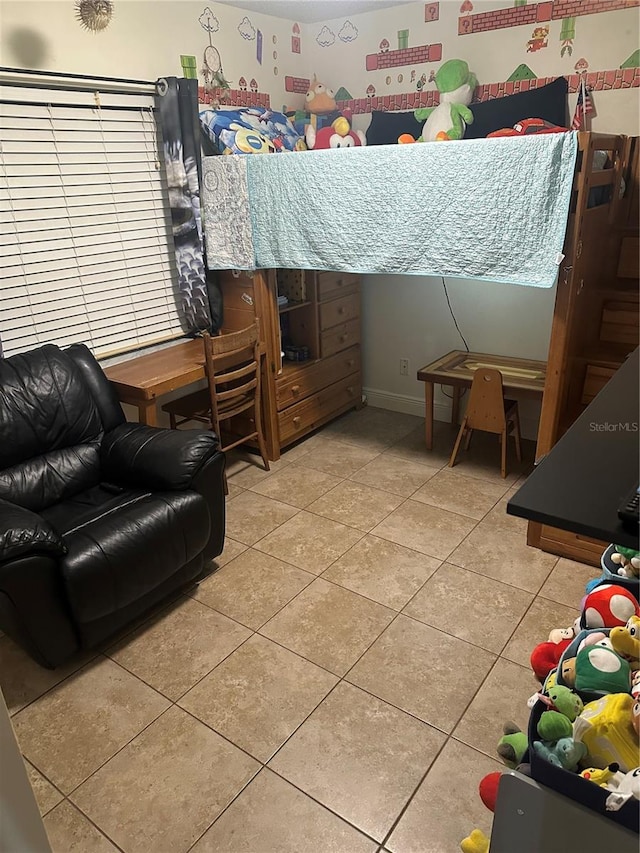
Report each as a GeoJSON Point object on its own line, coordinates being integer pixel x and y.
{"type": "Point", "coordinates": [85, 230]}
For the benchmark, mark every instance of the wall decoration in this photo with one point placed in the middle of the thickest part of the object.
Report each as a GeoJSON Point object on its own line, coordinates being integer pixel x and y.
{"type": "Point", "coordinates": [246, 29]}
{"type": "Point", "coordinates": [522, 72]}
{"type": "Point", "coordinates": [325, 37]}
{"type": "Point", "coordinates": [567, 35]}
{"type": "Point", "coordinates": [581, 66]}
{"type": "Point", "coordinates": [253, 86]}
{"type": "Point", "coordinates": [413, 75]}
{"type": "Point", "coordinates": [342, 94]}
{"type": "Point", "coordinates": [535, 13]}
{"type": "Point", "coordinates": [421, 83]}
{"type": "Point", "coordinates": [297, 85]}
{"type": "Point", "coordinates": [295, 39]}
{"type": "Point", "coordinates": [348, 32]}
{"type": "Point", "coordinates": [242, 84]}
{"type": "Point", "coordinates": [237, 97]}
{"type": "Point", "coordinates": [384, 46]}
{"type": "Point", "coordinates": [371, 90]}
{"type": "Point", "coordinates": [94, 15]}
{"type": "Point", "coordinates": [189, 66]}
{"type": "Point", "coordinates": [259, 46]}
{"type": "Point", "coordinates": [212, 68]}
{"type": "Point", "coordinates": [208, 21]}
{"type": "Point", "coordinates": [539, 39]}
{"type": "Point", "coordinates": [275, 54]}
{"type": "Point", "coordinates": [632, 61]}
{"type": "Point", "coordinates": [275, 70]}
{"type": "Point", "coordinates": [388, 80]}
{"type": "Point", "coordinates": [274, 39]}
{"type": "Point", "coordinates": [431, 12]}
{"type": "Point", "coordinates": [407, 56]}
{"type": "Point", "coordinates": [403, 39]}
{"type": "Point", "coordinates": [400, 78]}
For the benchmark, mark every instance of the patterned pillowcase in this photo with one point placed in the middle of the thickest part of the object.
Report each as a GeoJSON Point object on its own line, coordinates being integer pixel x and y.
{"type": "Point", "coordinates": [250, 130]}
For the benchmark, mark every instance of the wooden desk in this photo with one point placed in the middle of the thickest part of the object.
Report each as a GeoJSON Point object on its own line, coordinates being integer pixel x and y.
{"type": "Point", "coordinates": [521, 376]}
{"type": "Point", "coordinates": [141, 380]}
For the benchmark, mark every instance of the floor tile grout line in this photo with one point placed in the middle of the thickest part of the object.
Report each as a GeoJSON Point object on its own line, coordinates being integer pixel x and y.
{"type": "Point", "coordinates": [90, 820]}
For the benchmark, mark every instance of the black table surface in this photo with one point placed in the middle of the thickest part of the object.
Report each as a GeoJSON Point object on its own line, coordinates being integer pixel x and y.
{"type": "Point", "coordinates": [579, 485]}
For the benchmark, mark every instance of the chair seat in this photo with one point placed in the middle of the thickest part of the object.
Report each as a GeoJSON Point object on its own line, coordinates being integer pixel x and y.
{"type": "Point", "coordinates": [184, 407]}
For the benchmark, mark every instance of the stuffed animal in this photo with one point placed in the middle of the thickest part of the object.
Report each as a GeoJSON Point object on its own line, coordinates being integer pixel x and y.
{"type": "Point", "coordinates": [338, 135]}
{"type": "Point", "coordinates": [557, 635]}
{"type": "Point", "coordinates": [456, 85]}
{"type": "Point", "coordinates": [320, 99]}
{"type": "Point", "coordinates": [512, 745]}
{"type": "Point", "coordinates": [629, 787]}
{"type": "Point", "coordinates": [565, 753]}
{"type": "Point", "coordinates": [546, 657]}
{"type": "Point", "coordinates": [609, 777]}
{"type": "Point", "coordinates": [635, 717]}
{"type": "Point", "coordinates": [591, 639]}
{"type": "Point", "coordinates": [476, 842]}
{"type": "Point", "coordinates": [600, 668]}
{"type": "Point", "coordinates": [606, 729]}
{"type": "Point", "coordinates": [565, 701]}
{"type": "Point", "coordinates": [553, 726]}
{"type": "Point", "coordinates": [628, 561]}
{"type": "Point", "coordinates": [609, 605]}
{"type": "Point", "coordinates": [635, 684]}
{"type": "Point", "coordinates": [488, 789]}
{"type": "Point", "coordinates": [626, 641]}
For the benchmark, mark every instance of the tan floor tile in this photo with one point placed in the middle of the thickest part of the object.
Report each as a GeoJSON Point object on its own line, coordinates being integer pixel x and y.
{"type": "Point", "coordinates": [247, 469]}
{"type": "Point", "coordinates": [498, 519]}
{"type": "Point", "coordinates": [46, 795]}
{"type": "Point", "coordinates": [504, 556]}
{"type": "Point", "coordinates": [412, 446]}
{"type": "Point", "coordinates": [356, 505]}
{"type": "Point", "coordinates": [251, 516]}
{"type": "Point", "coordinates": [81, 723]}
{"type": "Point", "coordinates": [309, 541]}
{"type": "Point", "coordinates": [271, 816]}
{"type": "Point", "coordinates": [360, 757]}
{"type": "Point", "coordinates": [174, 651]}
{"type": "Point", "coordinates": [23, 680]}
{"type": "Point", "coordinates": [69, 831]}
{"type": "Point", "coordinates": [421, 670]}
{"type": "Point", "coordinates": [502, 698]}
{"type": "Point", "coordinates": [394, 474]}
{"type": "Point", "coordinates": [383, 571]}
{"type": "Point", "coordinates": [424, 528]}
{"type": "Point", "coordinates": [167, 786]}
{"type": "Point", "coordinates": [470, 606]}
{"type": "Point", "coordinates": [259, 695]}
{"type": "Point", "coordinates": [252, 588]}
{"type": "Point", "coordinates": [566, 583]}
{"type": "Point", "coordinates": [296, 485]}
{"type": "Point", "coordinates": [328, 625]}
{"type": "Point", "coordinates": [455, 492]}
{"type": "Point", "coordinates": [339, 459]}
{"type": "Point", "coordinates": [233, 491]}
{"type": "Point", "coordinates": [447, 806]}
{"type": "Point", "coordinates": [371, 424]}
{"type": "Point", "coordinates": [541, 618]}
{"type": "Point", "coordinates": [232, 549]}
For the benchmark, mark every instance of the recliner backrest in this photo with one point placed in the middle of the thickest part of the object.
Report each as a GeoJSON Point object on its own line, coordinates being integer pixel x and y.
{"type": "Point", "coordinates": [54, 408]}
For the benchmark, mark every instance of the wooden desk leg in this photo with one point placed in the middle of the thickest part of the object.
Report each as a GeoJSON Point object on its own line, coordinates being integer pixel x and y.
{"type": "Point", "coordinates": [455, 405]}
{"type": "Point", "coordinates": [148, 413]}
{"type": "Point", "coordinates": [428, 414]}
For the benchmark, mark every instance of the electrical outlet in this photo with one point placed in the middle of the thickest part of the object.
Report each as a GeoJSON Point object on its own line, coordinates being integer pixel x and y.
{"type": "Point", "coordinates": [404, 367]}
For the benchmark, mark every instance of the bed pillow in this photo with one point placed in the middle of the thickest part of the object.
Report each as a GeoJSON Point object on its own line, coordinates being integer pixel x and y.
{"type": "Point", "coordinates": [250, 130]}
{"type": "Point", "coordinates": [548, 102]}
{"type": "Point", "coordinates": [385, 128]}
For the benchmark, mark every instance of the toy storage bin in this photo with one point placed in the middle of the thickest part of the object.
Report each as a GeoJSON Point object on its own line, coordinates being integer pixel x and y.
{"type": "Point", "coordinates": [572, 785]}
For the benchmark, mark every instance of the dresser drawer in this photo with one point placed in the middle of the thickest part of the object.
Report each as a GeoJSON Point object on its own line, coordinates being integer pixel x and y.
{"type": "Point", "coordinates": [339, 311]}
{"type": "Point", "coordinates": [332, 284]}
{"type": "Point", "coordinates": [309, 379]}
{"type": "Point", "coordinates": [302, 417]}
{"type": "Point", "coordinates": [339, 337]}
{"type": "Point", "coordinates": [595, 379]}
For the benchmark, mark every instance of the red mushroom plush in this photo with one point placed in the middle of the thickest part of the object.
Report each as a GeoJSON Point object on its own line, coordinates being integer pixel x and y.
{"type": "Point", "coordinates": [608, 606]}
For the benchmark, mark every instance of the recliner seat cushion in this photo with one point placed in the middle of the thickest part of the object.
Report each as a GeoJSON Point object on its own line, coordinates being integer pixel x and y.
{"type": "Point", "coordinates": [69, 515]}
{"type": "Point", "coordinates": [122, 554]}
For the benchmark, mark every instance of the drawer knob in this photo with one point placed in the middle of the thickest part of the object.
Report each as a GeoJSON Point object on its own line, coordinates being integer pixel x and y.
{"type": "Point", "coordinates": [341, 309]}
{"type": "Point", "coordinates": [350, 390]}
{"type": "Point", "coordinates": [350, 363]}
{"type": "Point", "coordinates": [342, 338]}
{"type": "Point", "coordinates": [295, 390]}
{"type": "Point", "coordinates": [339, 283]}
{"type": "Point", "coordinates": [296, 421]}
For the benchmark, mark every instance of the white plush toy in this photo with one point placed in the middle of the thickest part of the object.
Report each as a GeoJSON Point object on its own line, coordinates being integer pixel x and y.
{"type": "Point", "coordinates": [628, 788]}
{"type": "Point", "coordinates": [456, 85]}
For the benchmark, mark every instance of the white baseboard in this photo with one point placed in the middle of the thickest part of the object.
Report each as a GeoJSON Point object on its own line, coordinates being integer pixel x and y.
{"type": "Point", "coordinates": [441, 411]}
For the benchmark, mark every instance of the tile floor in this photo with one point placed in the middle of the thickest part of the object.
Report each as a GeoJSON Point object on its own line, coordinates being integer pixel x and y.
{"type": "Point", "coordinates": [338, 685]}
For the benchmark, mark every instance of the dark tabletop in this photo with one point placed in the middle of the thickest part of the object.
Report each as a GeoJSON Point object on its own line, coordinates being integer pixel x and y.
{"type": "Point", "coordinates": [581, 482]}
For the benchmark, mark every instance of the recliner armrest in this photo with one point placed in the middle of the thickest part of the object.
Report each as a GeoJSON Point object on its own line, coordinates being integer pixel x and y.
{"type": "Point", "coordinates": [155, 458]}
{"type": "Point", "coordinates": [24, 533]}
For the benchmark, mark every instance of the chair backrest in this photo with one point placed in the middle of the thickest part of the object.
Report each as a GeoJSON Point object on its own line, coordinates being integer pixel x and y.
{"type": "Point", "coordinates": [55, 406]}
{"type": "Point", "coordinates": [485, 409]}
{"type": "Point", "coordinates": [233, 372]}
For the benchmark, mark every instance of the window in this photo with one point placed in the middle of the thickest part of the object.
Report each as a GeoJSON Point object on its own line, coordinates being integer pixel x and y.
{"type": "Point", "coordinates": [85, 226]}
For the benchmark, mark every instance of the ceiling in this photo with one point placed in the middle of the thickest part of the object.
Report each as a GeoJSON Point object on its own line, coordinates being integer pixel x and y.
{"type": "Point", "coordinates": [312, 11]}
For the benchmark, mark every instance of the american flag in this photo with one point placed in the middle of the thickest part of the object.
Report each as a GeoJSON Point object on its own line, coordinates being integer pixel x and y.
{"type": "Point", "coordinates": [584, 107]}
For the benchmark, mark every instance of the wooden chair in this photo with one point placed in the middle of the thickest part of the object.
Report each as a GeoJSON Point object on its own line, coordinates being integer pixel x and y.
{"type": "Point", "coordinates": [232, 363]}
{"type": "Point", "coordinates": [488, 411]}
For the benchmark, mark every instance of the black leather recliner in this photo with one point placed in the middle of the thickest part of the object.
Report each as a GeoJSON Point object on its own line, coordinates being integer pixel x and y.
{"type": "Point", "coordinates": [99, 519]}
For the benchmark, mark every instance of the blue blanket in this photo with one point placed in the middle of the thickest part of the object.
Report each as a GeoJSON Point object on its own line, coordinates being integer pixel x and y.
{"type": "Point", "coordinates": [493, 209]}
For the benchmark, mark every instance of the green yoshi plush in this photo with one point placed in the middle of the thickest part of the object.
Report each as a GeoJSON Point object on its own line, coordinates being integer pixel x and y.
{"type": "Point", "coordinates": [456, 85]}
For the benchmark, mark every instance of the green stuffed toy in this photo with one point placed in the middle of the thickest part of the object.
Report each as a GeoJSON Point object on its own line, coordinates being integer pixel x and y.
{"type": "Point", "coordinates": [553, 725]}
{"type": "Point", "coordinates": [449, 119]}
{"type": "Point", "coordinates": [512, 745]}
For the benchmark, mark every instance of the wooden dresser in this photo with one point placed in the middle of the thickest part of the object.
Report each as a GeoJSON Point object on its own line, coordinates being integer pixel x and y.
{"type": "Point", "coordinates": [321, 321]}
